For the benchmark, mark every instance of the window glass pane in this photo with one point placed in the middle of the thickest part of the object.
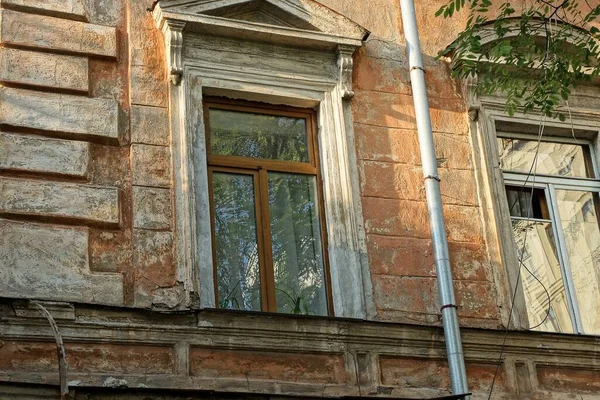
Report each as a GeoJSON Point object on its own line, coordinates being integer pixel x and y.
{"type": "Point", "coordinates": [561, 159]}
{"type": "Point", "coordinates": [238, 271]}
{"type": "Point", "coordinates": [245, 134]}
{"type": "Point", "coordinates": [297, 244]}
{"type": "Point", "coordinates": [527, 202]}
{"type": "Point", "coordinates": [579, 217]}
{"type": "Point", "coordinates": [536, 248]}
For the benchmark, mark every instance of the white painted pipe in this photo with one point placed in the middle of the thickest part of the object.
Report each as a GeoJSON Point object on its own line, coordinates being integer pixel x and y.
{"type": "Point", "coordinates": [456, 362]}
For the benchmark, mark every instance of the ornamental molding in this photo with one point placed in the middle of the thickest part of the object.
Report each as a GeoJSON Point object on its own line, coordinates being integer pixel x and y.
{"type": "Point", "coordinates": [303, 24]}
{"type": "Point", "coordinates": [345, 64]}
{"type": "Point", "coordinates": [173, 32]}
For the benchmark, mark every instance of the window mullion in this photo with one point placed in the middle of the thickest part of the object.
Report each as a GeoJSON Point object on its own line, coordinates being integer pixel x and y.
{"type": "Point", "coordinates": [265, 222]}
{"type": "Point", "coordinates": [564, 261]}
{"type": "Point", "coordinates": [261, 243]}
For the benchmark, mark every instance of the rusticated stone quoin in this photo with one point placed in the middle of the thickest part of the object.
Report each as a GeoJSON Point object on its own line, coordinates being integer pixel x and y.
{"type": "Point", "coordinates": [43, 69]}
{"type": "Point", "coordinates": [51, 262]}
{"type": "Point", "coordinates": [75, 9]}
{"type": "Point", "coordinates": [150, 125]}
{"type": "Point", "coordinates": [151, 208]}
{"type": "Point", "coordinates": [43, 155]}
{"type": "Point", "coordinates": [151, 165]}
{"type": "Point", "coordinates": [43, 32]}
{"type": "Point", "coordinates": [59, 112]}
{"type": "Point", "coordinates": [94, 204]}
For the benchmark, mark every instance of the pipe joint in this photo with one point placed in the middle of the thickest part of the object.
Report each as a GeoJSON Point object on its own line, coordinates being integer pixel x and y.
{"type": "Point", "coordinates": [417, 67]}
{"type": "Point", "coordinates": [434, 177]}
{"type": "Point", "coordinates": [448, 306]}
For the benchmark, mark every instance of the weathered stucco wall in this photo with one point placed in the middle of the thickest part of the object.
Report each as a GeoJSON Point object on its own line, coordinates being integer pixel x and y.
{"type": "Point", "coordinates": [84, 159]}
{"type": "Point", "coordinates": [86, 152]}
{"type": "Point", "coordinates": [86, 217]}
{"type": "Point", "coordinates": [394, 206]}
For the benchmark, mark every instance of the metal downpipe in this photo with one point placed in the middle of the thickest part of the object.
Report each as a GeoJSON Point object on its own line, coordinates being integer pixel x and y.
{"type": "Point", "coordinates": [456, 363]}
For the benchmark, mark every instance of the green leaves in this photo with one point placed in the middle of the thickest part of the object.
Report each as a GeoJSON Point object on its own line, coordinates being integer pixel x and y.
{"type": "Point", "coordinates": [447, 10]}
{"type": "Point", "coordinates": [536, 55]}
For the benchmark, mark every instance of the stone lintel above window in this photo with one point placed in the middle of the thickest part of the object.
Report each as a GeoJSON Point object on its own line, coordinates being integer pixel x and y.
{"type": "Point", "coordinates": [295, 23]}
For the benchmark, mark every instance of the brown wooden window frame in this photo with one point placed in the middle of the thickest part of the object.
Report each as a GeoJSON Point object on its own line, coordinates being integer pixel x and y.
{"type": "Point", "coordinates": [259, 168]}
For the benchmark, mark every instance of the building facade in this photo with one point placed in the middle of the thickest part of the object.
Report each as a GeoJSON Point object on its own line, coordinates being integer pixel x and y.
{"type": "Point", "coordinates": [224, 199]}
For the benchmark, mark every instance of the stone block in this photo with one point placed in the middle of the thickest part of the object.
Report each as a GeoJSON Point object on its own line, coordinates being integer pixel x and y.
{"type": "Point", "coordinates": [150, 125]}
{"type": "Point", "coordinates": [43, 69]}
{"type": "Point", "coordinates": [149, 86]}
{"type": "Point", "coordinates": [432, 373]}
{"type": "Point", "coordinates": [412, 294]}
{"type": "Point", "coordinates": [44, 32]}
{"type": "Point", "coordinates": [397, 111]}
{"type": "Point", "coordinates": [380, 143]}
{"type": "Point", "coordinates": [74, 9]}
{"type": "Point", "coordinates": [111, 250]}
{"type": "Point", "coordinates": [291, 367]}
{"type": "Point", "coordinates": [405, 181]}
{"type": "Point", "coordinates": [110, 166]}
{"type": "Point", "coordinates": [154, 264]}
{"type": "Point", "coordinates": [476, 299]}
{"type": "Point", "coordinates": [42, 155]}
{"type": "Point", "coordinates": [151, 208]}
{"type": "Point", "coordinates": [106, 80]}
{"type": "Point", "coordinates": [419, 295]}
{"type": "Point", "coordinates": [393, 181]}
{"type": "Point", "coordinates": [458, 186]}
{"type": "Point", "coordinates": [51, 263]}
{"type": "Point", "coordinates": [151, 165]}
{"type": "Point", "coordinates": [392, 217]}
{"type": "Point", "coordinates": [94, 204]}
{"type": "Point", "coordinates": [153, 257]}
{"type": "Point", "coordinates": [109, 12]}
{"type": "Point", "coordinates": [569, 380]}
{"type": "Point", "coordinates": [403, 256]}
{"type": "Point", "coordinates": [101, 358]}
{"type": "Point", "coordinates": [407, 218]}
{"type": "Point", "coordinates": [59, 112]}
{"type": "Point", "coordinates": [381, 74]}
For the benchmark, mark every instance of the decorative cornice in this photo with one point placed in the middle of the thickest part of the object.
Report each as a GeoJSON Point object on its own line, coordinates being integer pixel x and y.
{"type": "Point", "coordinates": [345, 65]}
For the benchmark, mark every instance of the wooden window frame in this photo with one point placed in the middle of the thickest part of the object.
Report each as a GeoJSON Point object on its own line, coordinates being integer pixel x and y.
{"type": "Point", "coordinates": [259, 168]}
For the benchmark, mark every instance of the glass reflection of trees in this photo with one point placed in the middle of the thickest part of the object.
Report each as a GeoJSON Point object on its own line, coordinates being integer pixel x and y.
{"type": "Point", "coordinates": [297, 246]}
{"type": "Point", "coordinates": [238, 272]}
{"type": "Point", "coordinates": [271, 137]}
{"type": "Point", "coordinates": [295, 226]}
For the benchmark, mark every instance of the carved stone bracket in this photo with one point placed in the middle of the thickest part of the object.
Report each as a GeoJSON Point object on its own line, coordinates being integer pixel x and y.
{"type": "Point", "coordinates": [345, 64]}
{"type": "Point", "coordinates": [173, 31]}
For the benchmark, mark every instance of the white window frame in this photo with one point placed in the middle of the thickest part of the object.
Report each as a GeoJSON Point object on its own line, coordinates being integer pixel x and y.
{"type": "Point", "coordinates": [549, 184]}
{"type": "Point", "coordinates": [486, 113]}
{"type": "Point", "coordinates": [193, 77]}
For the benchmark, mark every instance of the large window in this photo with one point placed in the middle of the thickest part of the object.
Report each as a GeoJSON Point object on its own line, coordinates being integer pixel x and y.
{"type": "Point", "coordinates": [266, 208]}
{"type": "Point", "coordinates": [552, 189]}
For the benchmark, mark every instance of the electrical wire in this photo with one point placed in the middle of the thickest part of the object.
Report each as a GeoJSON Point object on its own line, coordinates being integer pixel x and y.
{"type": "Point", "coordinates": [531, 173]}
